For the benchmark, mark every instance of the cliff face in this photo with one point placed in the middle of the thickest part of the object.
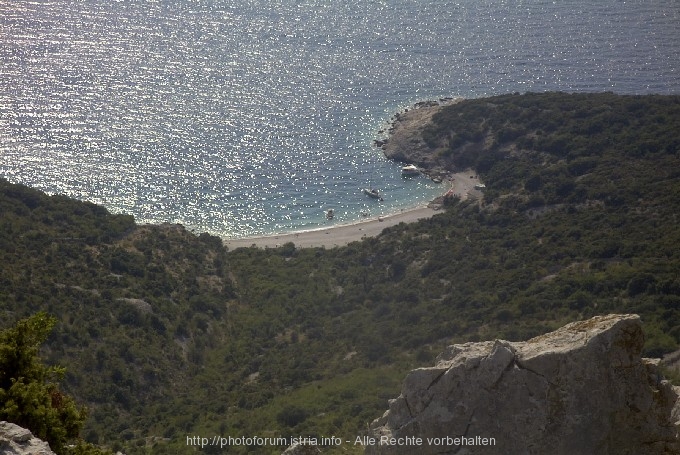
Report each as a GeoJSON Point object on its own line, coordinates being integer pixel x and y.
{"type": "Point", "coordinates": [583, 389]}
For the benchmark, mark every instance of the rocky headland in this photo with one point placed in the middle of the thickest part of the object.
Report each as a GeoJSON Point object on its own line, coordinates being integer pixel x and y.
{"type": "Point", "coordinates": [404, 141]}
{"type": "Point", "coordinates": [581, 390]}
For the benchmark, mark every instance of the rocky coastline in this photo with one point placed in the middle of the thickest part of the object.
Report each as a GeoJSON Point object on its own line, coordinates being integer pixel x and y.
{"type": "Point", "coordinates": [404, 142]}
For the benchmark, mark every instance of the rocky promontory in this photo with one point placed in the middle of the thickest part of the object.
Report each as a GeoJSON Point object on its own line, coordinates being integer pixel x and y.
{"type": "Point", "coordinates": [581, 390]}
{"type": "Point", "coordinates": [405, 142]}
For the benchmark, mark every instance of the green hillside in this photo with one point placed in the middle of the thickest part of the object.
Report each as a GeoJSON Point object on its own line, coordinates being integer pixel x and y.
{"type": "Point", "coordinates": [166, 335]}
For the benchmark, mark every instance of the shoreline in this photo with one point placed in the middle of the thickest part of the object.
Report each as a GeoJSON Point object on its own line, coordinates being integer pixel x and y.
{"type": "Point", "coordinates": [461, 184]}
{"type": "Point", "coordinates": [404, 142]}
{"type": "Point", "coordinates": [339, 235]}
{"type": "Point", "coordinates": [398, 146]}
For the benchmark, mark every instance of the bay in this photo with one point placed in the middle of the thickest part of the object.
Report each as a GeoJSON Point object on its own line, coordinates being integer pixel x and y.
{"type": "Point", "coordinates": [245, 118]}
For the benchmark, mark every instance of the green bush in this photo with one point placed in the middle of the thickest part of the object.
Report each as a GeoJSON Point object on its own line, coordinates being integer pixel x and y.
{"type": "Point", "coordinates": [29, 392]}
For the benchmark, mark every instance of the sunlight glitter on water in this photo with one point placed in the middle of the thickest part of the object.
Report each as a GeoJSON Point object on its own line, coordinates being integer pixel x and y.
{"type": "Point", "coordinates": [248, 118]}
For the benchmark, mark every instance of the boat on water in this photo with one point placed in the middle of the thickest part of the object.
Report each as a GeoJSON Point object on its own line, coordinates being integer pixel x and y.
{"type": "Point", "coordinates": [374, 193]}
{"type": "Point", "coordinates": [409, 170]}
{"type": "Point", "coordinates": [330, 213]}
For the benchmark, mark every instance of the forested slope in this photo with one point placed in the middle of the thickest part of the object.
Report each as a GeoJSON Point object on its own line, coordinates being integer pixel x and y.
{"type": "Point", "coordinates": [165, 334]}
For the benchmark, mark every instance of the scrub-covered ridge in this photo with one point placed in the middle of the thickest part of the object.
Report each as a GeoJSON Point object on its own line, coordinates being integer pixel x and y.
{"type": "Point", "coordinates": [166, 335]}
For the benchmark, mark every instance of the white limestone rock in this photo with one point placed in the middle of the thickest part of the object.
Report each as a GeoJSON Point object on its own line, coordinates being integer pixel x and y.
{"type": "Point", "coordinates": [15, 440]}
{"type": "Point", "coordinates": [301, 449]}
{"type": "Point", "coordinates": [581, 390]}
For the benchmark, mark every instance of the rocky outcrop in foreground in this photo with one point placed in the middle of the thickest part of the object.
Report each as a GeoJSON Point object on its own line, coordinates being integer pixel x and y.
{"type": "Point", "coordinates": [15, 440]}
{"type": "Point", "coordinates": [581, 390]}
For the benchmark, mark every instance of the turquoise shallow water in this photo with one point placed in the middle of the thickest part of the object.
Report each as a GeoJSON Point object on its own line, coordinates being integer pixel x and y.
{"type": "Point", "coordinates": [246, 118]}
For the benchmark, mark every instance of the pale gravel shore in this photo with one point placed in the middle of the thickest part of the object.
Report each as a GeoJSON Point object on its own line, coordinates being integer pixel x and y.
{"type": "Point", "coordinates": [341, 235]}
{"type": "Point", "coordinates": [402, 132]}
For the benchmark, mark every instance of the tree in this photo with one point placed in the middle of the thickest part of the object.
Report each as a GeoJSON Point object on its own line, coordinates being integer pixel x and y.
{"type": "Point", "coordinates": [29, 392]}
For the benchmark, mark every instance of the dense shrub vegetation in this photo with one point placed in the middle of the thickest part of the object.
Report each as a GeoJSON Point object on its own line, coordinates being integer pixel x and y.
{"type": "Point", "coordinates": [29, 390]}
{"type": "Point", "coordinates": [167, 335]}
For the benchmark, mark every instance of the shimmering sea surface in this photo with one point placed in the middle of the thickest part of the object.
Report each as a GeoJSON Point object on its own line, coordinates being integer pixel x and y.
{"type": "Point", "coordinates": [251, 117]}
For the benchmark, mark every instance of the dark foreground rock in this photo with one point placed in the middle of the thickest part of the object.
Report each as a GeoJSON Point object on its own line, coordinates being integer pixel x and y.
{"type": "Point", "coordinates": [581, 390]}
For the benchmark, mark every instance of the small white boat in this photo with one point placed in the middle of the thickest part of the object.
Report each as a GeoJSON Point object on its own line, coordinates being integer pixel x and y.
{"type": "Point", "coordinates": [374, 193]}
{"type": "Point", "coordinates": [409, 170]}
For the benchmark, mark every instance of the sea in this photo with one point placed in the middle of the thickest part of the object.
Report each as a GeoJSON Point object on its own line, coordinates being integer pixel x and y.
{"type": "Point", "coordinates": [250, 117]}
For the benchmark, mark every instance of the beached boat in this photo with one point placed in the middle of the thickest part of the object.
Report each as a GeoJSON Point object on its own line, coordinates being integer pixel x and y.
{"type": "Point", "coordinates": [409, 170]}
{"type": "Point", "coordinates": [374, 193]}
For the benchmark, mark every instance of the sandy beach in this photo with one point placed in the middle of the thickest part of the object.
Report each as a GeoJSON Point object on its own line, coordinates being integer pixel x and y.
{"type": "Point", "coordinates": [334, 236]}
{"type": "Point", "coordinates": [461, 184]}
{"type": "Point", "coordinates": [400, 146]}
